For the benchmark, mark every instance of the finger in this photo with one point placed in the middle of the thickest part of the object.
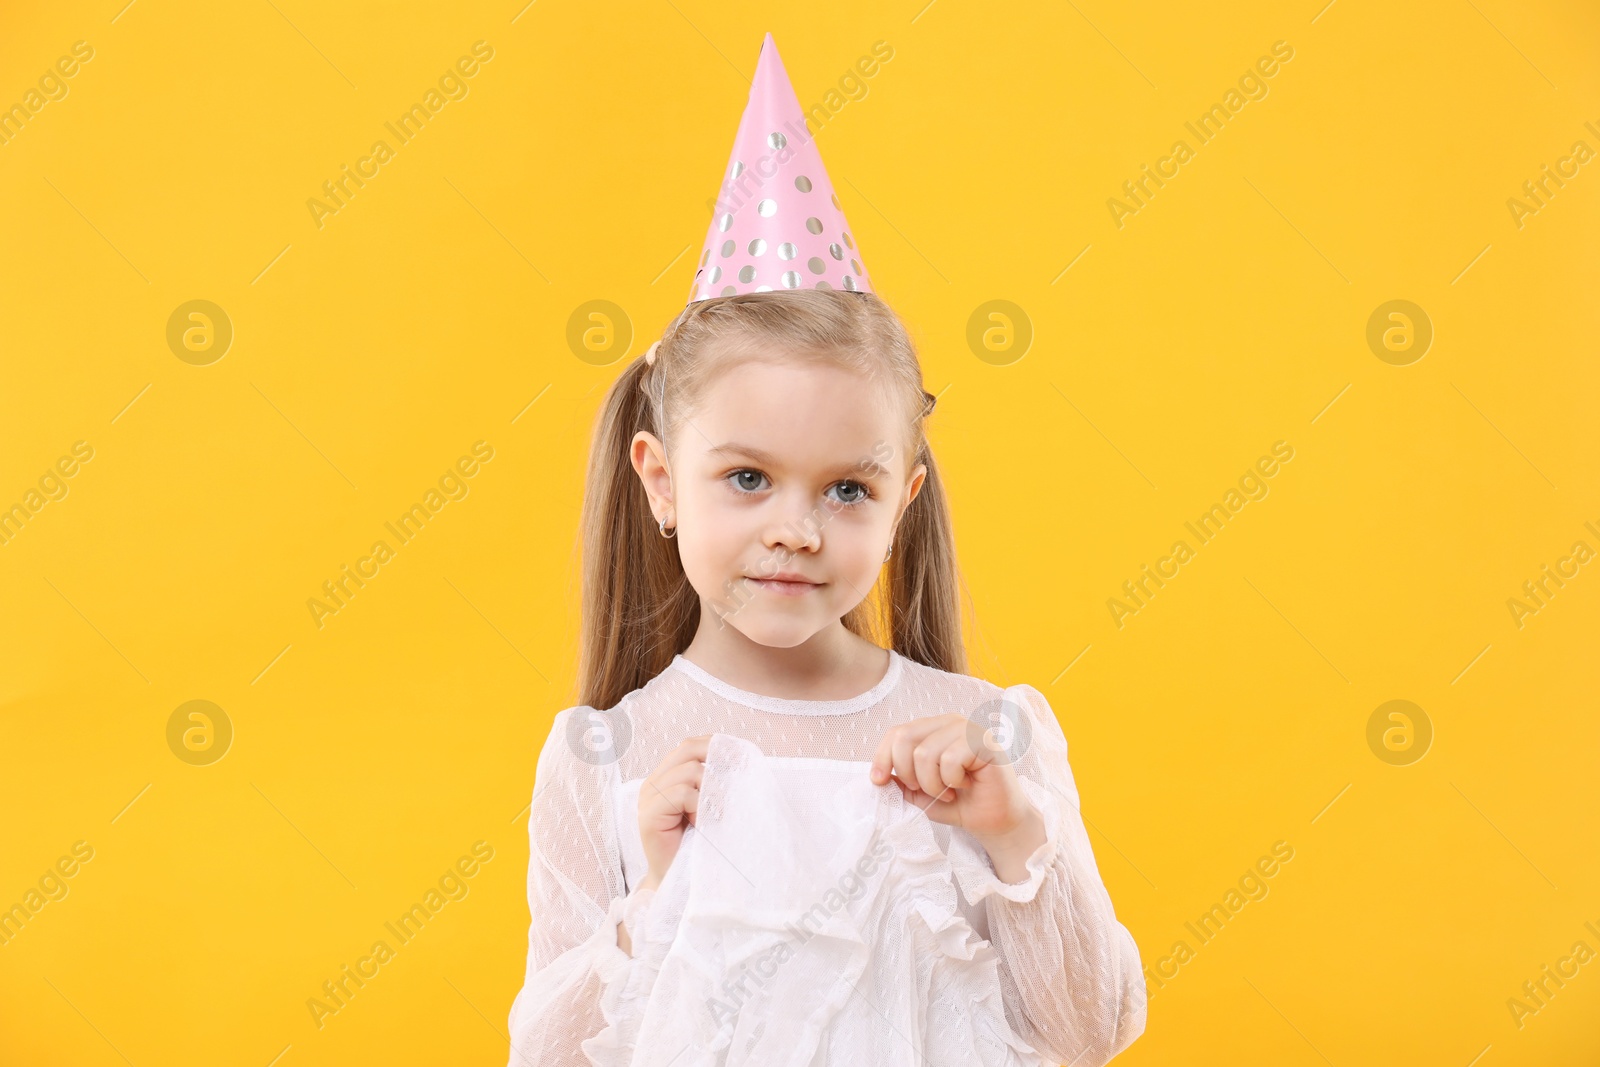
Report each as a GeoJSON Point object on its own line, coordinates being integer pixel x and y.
{"type": "Point", "coordinates": [940, 756]}
{"type": "Point", "coordinates": [689, 800]}
{"type": "Point", "coordinates": [941, 811]}
{"type": "Point", "coordinates": [883, 756]}
{"type": "Point", "coordinates": [925, 757]}
{"type": "Point", "coordinates": [886, 760]}
{"type": "Point", "coordinates": [664, 811]}
{"type": "Point", "coordinates": [691, 771]}
{"type": "Point", "coordinates": [903, 759]}
{"type": "Point", "coordinates": [657, 794]}
{"type": "Point", "coordinates": [654, 802]}
{"type": "Point", "coordinates": [957, 759]}
{"type": "Point", "coordinates": [988, 747]}
{"type": "Point", "coordinates": [667, 809]}
{"type": "Point", "coordinates": [676, 801]}
{"type": "Point", "coordinates": [690, 750]}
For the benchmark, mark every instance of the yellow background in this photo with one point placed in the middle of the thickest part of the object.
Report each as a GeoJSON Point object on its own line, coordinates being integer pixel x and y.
{"type": "Point", "coordinates": [431, 311]}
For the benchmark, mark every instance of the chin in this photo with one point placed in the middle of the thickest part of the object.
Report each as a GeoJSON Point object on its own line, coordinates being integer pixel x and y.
{"type": "Point", "coordinates": [773, 632]}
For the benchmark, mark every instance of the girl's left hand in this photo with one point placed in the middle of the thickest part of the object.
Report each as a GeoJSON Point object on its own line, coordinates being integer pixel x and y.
{"type": "Point", "coordinates": [934, 757]}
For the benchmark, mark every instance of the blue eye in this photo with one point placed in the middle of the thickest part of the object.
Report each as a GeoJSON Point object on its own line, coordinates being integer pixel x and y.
{"type": "Point", "coordinates": [863, 494]}
{"type": "Point", "coordinates": [738, 480]}
{"type": "Point", "coordinates": [736, 475]}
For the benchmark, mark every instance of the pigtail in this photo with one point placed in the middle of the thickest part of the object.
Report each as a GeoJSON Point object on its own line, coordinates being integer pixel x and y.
{"type": "Point", "coordinates": [924, 581]}
{"type": "Point", "coordinates": [639, 609]}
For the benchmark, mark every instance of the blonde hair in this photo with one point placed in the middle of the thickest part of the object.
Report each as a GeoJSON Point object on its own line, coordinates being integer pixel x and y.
{"type": "Point", "coordinates": [638, 608]}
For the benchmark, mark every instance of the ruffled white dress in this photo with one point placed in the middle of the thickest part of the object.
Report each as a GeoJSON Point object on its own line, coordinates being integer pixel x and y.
{"type": "Point", "coordinates": [810, 917]}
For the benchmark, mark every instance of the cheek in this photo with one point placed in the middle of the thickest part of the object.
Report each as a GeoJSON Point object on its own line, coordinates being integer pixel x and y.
{"type": "Point", "coordinates": [707, 571]}
{"type": "Point", "coordinates": [855, 541]}
{"type": "Point", "coordinates": [713, 539]}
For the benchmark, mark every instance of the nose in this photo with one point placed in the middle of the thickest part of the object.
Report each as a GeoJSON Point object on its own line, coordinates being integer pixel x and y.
{"type": "Point", "coordinates": [796, 525]}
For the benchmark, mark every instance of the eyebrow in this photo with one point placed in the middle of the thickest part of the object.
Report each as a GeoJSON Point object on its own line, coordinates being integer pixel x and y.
{"type": "Point", "coordinates": [865, 469]}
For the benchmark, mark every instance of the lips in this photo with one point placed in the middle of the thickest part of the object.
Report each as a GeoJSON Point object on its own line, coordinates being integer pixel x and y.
{"type": "Point", "coordinates": [786, 583]}
{"type": "Point", "coordinates": [786, 576]}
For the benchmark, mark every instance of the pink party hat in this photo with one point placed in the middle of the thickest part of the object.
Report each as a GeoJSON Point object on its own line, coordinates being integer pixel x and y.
{"type": "Point", "coordinates": [778, 224]}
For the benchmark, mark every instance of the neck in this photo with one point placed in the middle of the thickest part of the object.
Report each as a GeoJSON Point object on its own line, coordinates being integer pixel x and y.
{"type": "Point", "coordinates": [832, 664]}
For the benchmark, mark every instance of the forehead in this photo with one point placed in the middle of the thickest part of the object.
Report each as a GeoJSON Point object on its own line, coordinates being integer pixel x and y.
{"type": "Point", "coordinates": [806, 416]}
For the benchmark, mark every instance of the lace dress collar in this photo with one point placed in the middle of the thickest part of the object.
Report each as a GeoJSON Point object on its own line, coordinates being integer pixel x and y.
{"type": "Point", "coordinates": [782, 706]}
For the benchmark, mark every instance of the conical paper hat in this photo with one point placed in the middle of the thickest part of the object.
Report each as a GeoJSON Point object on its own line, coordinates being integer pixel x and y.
{"type": "Point", "coordinates": [778, 224]}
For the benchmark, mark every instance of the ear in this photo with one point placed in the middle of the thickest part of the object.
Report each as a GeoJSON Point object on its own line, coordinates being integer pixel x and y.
{"type": "Point", "coordinates": [650, 462]}
{"type": "Point", "coordinates": [919, 474]}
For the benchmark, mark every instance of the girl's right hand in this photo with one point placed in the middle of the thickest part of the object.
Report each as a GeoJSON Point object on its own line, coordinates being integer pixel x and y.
{"type": "Point", "coordinates": [669, 795]}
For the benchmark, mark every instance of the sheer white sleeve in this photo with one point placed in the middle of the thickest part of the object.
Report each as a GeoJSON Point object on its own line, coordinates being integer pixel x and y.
{"type": "Point", "coordinates": [1069, 970]}
{"type": "Point", "coordinates": [582, 996]}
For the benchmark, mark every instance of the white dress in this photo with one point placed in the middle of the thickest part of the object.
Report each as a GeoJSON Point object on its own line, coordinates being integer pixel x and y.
{"type": "Point", "coordinates": [927, 959]}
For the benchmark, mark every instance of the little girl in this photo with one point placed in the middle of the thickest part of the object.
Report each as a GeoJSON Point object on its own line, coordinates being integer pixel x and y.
{"type": "Point", "coordinates": [768, 554]}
